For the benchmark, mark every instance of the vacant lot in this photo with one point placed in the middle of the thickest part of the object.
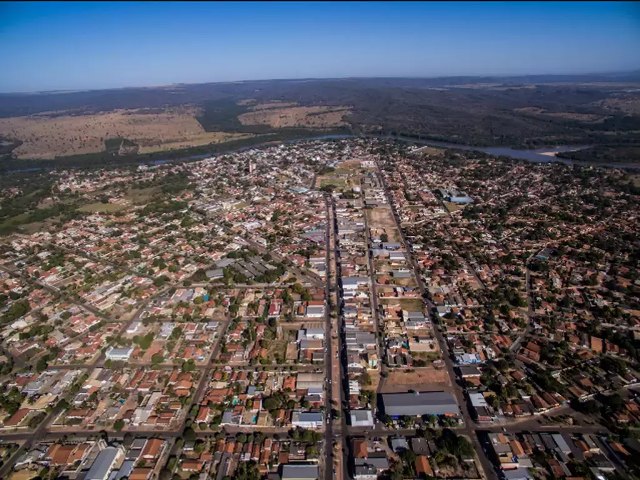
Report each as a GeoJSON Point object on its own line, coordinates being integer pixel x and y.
{"type": "Point", "coordinates": [283, 115]}
{"type": "Point", "coordinates": [410, 304]}
{"type": "Point", "coordinates": [427, 378]}
{"type": "Point", "coordinates": [381, 219]}
{"type": "Point", "coordinates": [453, 207]}
{"type": "Point", "coordinates": [47, 137]}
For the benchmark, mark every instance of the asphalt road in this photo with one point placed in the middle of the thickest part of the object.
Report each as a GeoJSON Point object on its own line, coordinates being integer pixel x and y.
{"type": "Point", "coordinates": [328, 356]}
{"type": "Point", "coordinates": [344, 386]}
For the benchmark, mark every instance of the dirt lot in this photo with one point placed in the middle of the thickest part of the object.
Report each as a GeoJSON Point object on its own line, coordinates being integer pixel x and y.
{"type": "Point", "coordinates": [427, 378]}
{"type": "Point", "coordinates": [381, 218]}
{"type": "Point", "coordinates": [282, 115]}
{"type": "Point", "coordinates": [453, 207]}
{"type": "Point", "coordinates": [46, 137]}
{"type": "Point", "coordinates": [411, 304]}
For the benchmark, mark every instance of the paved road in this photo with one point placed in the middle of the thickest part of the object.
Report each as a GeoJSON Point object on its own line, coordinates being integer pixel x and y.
{"type": "Point", "coordinates": [342, 351]}
{"type": "Point", "coordinates": [328, 356]}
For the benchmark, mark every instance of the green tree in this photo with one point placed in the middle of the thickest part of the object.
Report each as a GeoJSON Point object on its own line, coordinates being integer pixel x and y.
{"type": "Point", "coordinates": [189, 366]}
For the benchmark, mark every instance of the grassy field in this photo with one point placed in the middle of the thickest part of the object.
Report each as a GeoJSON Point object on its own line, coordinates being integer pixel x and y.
{"type": "Point", "coordinates": [99, 207]}
{"type": "Point", "coordinates": [331, 180]}
{"type": "Point", "coordinates": [28, 228]}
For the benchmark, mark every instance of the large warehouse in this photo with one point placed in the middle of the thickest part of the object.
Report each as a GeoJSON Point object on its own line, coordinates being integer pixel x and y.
{"type": "Point", "coordinates": [419, 403]}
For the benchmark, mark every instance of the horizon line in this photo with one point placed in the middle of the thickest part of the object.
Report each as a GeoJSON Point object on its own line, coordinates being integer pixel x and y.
{"type": "Point", "coordinates": [349, 77]}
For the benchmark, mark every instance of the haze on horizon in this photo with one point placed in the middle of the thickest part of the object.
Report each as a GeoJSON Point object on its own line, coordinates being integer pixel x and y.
{"type": "Point", "coordinates": [78, 46]}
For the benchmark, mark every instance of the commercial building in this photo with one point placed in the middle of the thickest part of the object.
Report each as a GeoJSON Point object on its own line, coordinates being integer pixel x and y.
{"type": "Point", "coordinates": [361, 418]}
{"type": "Point", "coordinates": [419, 403]}
{"type": "Point", "coordinates": [300, 472]}
{"type": "Point", "coordinates": [106, 461]}
{"type": "Point", "coordinates": [307, 419]}
{"type": "Point", "coordinates": [119, 354]}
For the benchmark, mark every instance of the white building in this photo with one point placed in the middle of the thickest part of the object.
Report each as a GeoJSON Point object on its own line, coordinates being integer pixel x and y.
{"type": "Point", "coordinates": [119, 354]}
{"type": "Point", "coordinates": [315, 311]}
{"type": "Point", "coordinates": [361, 418]}
{"type": "Point", "coordinates": [307, 419]}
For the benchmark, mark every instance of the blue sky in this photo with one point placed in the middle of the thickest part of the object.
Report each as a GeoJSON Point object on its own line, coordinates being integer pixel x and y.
{"type": "Point", "coordinates": [48, 46]}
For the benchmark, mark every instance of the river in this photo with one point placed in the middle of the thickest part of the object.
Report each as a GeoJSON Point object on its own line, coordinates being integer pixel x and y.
{"type": "Point", "coordinates": [540, 155]}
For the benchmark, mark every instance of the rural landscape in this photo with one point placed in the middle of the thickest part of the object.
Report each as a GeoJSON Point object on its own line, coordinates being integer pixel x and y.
{"type": "Point", "coordinates": [601, 113]}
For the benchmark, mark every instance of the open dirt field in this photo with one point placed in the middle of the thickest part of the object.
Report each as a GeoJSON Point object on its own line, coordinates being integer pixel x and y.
{"type": "Point", "coordinates": [45, 137]}
{"type": "Point", "coordinates": [427, 378]}
{"type": "Point", "coordinates": [411, 304]}
{"type": "Point", "coordinates": [381, 219]}
{"type": "Point", "coordinates": [282, 115]}
{"type": "Point", "coordinates": [453, 207]}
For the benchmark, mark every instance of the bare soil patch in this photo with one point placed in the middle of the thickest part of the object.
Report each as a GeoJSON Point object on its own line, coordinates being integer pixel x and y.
{"type": "Point", "coordinates": [381, 221]}
{"type": "Point", "coordinates": [409, 304]}
{"type": "Point", "coordinates": [453, 207]}
{"type": "Point", "coordinates": [426, 378]}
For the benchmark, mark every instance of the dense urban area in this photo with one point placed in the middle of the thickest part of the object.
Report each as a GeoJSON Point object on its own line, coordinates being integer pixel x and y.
{"type": "Point", "coordinates": [332, 309]}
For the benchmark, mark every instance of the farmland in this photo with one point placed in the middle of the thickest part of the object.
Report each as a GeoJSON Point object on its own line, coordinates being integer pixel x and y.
{"type": "Point", "coordinates": [46, 136]}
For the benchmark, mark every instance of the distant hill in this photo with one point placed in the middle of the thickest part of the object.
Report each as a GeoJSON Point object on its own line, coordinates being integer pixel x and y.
{"type": "Point", "coordinates": [521, 111]}
{"type": "Point", "coordinates": [305, 90]}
